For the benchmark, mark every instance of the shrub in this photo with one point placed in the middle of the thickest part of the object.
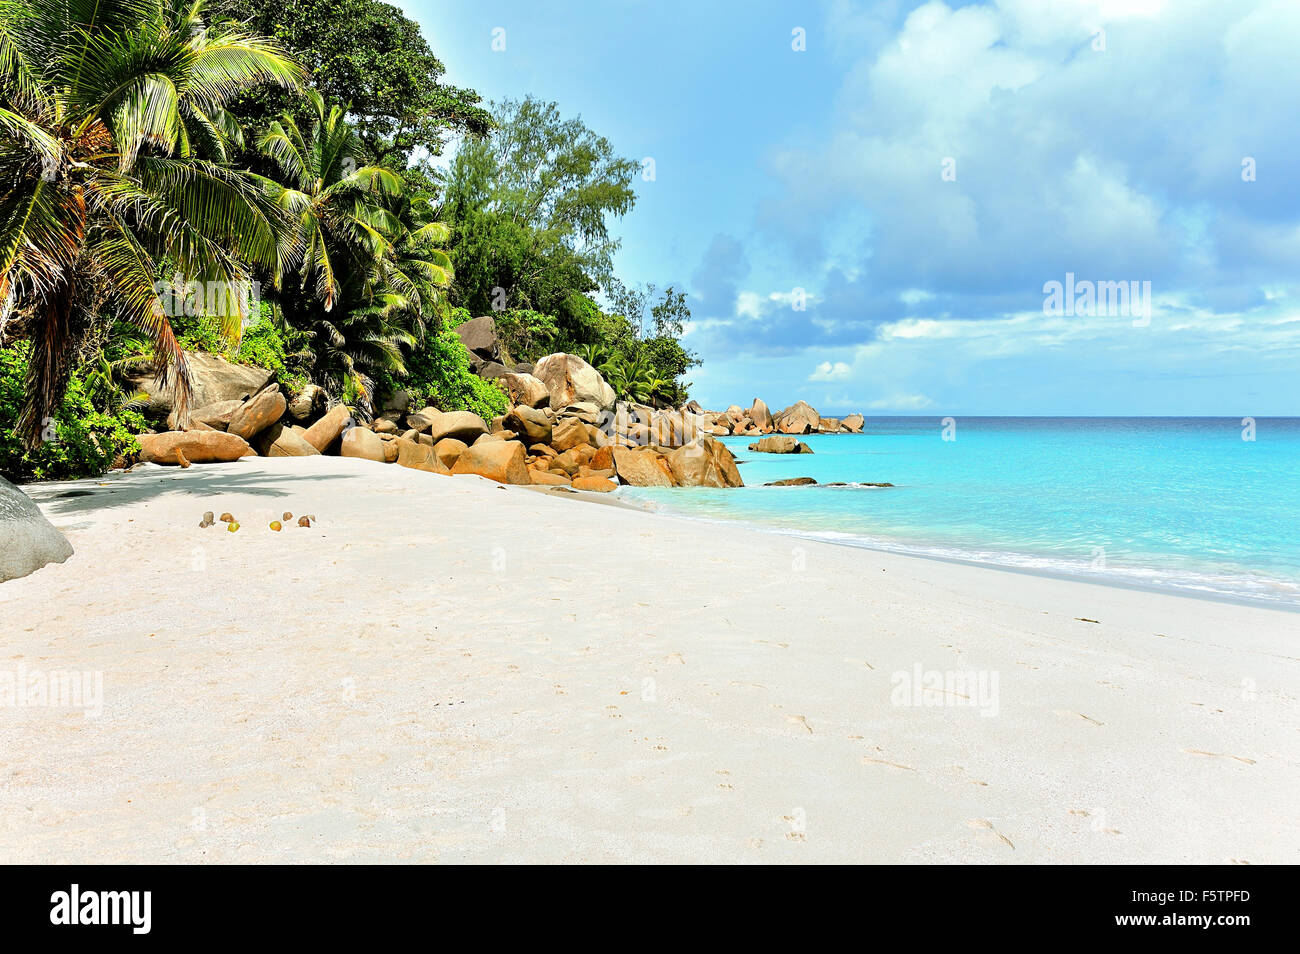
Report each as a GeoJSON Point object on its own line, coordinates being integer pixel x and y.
{"type": "Point", "coordinates": [438, 373]}
{"type": "Point", "coordinates": [264, 343]}
{"type": "Point", "coordinates": [82, 440]}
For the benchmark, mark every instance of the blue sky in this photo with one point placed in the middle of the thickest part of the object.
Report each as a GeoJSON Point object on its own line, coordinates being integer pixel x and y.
{"type": "Point", "coordinates": [920, 171]}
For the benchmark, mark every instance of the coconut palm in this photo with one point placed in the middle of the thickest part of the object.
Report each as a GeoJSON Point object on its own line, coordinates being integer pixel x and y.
{"type": "Point", "coordinates": [104, 105]}
{"type": "Point", "coordinates": [633, 378]}
{"type": "Point", "coordinates": [373, 269]}
{"type": "Point", "coordinates": [385, 308]}
{"type": "Point", "coordinates": [334, 201]}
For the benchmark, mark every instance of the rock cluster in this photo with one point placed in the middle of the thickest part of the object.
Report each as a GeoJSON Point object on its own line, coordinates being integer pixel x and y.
{"type": "Point", "coordinates": [798, 418]}
{"type": "Point", "coordinates": [564, 428]}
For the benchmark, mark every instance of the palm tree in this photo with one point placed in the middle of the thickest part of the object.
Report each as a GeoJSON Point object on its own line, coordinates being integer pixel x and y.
{"type": "Point", "coordinates": [104, 107]}
{"type": "Point", "coordinates": [335, 203]}
{"type": "Point", "coordinates": [373, 269]}
{"type": "Point", "coordinates": [633, 378]}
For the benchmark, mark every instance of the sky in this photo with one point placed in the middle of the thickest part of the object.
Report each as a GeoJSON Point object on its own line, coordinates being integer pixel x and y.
{"type": "Point", "coordinates": [868, 202]}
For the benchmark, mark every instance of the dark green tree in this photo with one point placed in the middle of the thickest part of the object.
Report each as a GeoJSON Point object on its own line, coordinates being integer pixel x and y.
{"type": "Point", "coordinates": [373, 59]}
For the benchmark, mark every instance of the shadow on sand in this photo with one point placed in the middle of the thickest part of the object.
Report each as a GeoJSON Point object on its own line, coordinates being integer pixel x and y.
{"type": "Point", "coordinates": [71, 499]}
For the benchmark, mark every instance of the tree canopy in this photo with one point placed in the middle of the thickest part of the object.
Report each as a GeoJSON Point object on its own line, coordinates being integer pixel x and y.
{"type": "Point", "coordinates": [372, 59]}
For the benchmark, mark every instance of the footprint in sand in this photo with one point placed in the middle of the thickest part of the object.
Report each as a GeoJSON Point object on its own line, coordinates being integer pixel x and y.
{"type": "Point", "coordinates": [868, 760]}
{"type": "Point", "coordinates": [983, 824]}
{"type": "Point", "coordinates": [1220, 755]}
{"type": "Point", "coordinates": [1084, 813]}
{"type": "Point", "coordinates": [961, 770]}
{"type": "Point", "coordinates": [799, 720]}
{"type": "Point", "coordinates": [1078, 715]}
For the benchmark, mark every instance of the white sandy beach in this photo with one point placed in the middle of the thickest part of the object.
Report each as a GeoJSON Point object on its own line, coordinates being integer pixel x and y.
{"type": "Point", "coordinates": [444, 670]}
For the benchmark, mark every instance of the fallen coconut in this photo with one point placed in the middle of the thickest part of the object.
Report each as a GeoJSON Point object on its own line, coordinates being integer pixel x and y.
{"type": "Point", "coordinates": [275, 525]}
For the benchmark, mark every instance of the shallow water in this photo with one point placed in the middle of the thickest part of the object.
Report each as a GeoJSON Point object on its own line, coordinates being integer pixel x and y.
{"type": "Point", "coordinates": [1173, 502]}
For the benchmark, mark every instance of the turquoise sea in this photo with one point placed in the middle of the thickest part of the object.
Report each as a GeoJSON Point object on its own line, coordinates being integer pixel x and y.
{"type": "Point", "coordinates": [1183, 503]}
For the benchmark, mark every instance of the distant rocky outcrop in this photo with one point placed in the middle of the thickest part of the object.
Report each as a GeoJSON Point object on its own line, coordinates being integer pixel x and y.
{"type": "Point", "coordinates": [780, 444]}
{"type": "Point", "coordinates": [30, 541]}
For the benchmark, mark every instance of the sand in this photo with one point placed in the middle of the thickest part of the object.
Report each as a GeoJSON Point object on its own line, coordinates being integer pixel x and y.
{"type": "Point", "coordinates": [445, 670]}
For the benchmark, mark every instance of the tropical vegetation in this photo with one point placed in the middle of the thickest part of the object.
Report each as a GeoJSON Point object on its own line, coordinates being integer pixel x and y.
{"type": "Point", "coordinates": [283, 154]}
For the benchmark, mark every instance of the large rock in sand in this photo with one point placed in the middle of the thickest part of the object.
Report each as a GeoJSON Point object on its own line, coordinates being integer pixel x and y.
{"type": "Point", "coordinates": [258, 413]}
{"type": "Point", "coordinates": [704, 462]}
{"type": "Point", "coordinates": [216, 416]}
{"type": "Point", "coordinates": [366, 444]}
{"type": "Point", "coordinates": [601, 485]}
{"type": "Point", "coordinates": [502, 461]}
{"type": "Point", "coordinates": [197, 447]}
{"type": "Point", "coordinates": [30, 541]}
{"type": "Point", "coordinates": [642, 467]}
{"type": "Point", "coordinates": [570, 380]}
{"type": "Point", "coordinates": [418, 456]}
{"type": "Point", "coordinates": [212, 380]}
{"type": "Point", "coordinates": [326, 431]}
{"type": "Point", "coordinates": [281, 441]}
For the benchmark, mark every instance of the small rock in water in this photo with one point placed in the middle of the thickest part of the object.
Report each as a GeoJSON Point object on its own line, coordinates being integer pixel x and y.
{"type": "Point", "coordinates": [791, 482]}
{"type": "Point", "coordinates": [275, 525]}
{"type": "Point", "coordinates": [227, 518]}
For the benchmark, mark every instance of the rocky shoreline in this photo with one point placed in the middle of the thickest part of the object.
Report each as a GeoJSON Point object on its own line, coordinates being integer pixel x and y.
{"type": "Point", "coordinates": [564, 428]}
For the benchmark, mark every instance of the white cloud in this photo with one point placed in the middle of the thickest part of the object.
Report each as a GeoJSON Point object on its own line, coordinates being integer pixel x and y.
{"type": "Point", "coordinates": [826, 371]}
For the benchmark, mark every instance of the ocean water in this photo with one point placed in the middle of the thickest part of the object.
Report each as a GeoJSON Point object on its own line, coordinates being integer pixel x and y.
{"type": "Point", "coordinates": [1181, 503]}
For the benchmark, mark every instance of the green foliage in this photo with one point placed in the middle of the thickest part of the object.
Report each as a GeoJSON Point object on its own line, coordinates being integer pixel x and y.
{"type": "Point", "coordinates": [438, 374]}
{"type": "Point", "coordinates": [372, 58]}
{"type": "Point", "coordinates": [113, 114]}
{"type": "Point", "coordinates": [530, 206]}
{"type": "Point", "coordinates": [525, 335]}
{"type": "Point", "coordinates": [373, 275]}
{"type": "Point", "coordinates": [89, 429]}
{"type": "Point", "coordinates": [264, 343]}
